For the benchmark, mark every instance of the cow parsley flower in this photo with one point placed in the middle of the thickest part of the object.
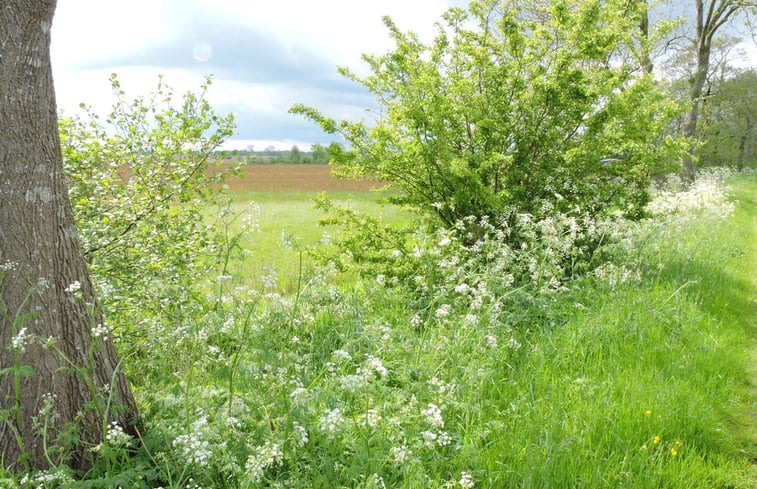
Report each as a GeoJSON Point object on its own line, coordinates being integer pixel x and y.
{"type": "Point", "coordinates": [73, 287]}
{"type": "Point", "coordinates": [466, 480]}
{"type": "Point", "coordinates": [268, 455]}
{"type": "Point", "coordinates": [401, 454]}
{"type": "Point", "coordinates": [21, 340]}
{"type": "Point", "coordinates": [433, 415]}
{"type": "Point", "coordinates": [442, 311]}
{"type": "Point", "coordinates": [332, 421]}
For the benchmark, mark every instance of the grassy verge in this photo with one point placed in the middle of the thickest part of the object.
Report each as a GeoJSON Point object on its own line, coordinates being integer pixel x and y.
{"type": "Point", "coordinates": [637, 380]}
{"type": "Point", "coordinates": [642, 382]}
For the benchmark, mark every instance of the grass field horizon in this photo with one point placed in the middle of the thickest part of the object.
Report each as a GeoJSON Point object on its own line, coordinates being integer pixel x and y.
{"type": "Point", "coordinates": [283, 196]}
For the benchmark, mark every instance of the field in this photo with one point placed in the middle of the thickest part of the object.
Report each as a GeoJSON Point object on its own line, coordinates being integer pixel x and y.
{"type": "Point", "coordinates": [281, 198]}
{"type": "Point", "coordinates": [300, 178]}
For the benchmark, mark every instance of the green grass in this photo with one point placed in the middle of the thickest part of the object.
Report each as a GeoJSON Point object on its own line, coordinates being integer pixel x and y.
{"type": "Point", "coordinates": [643, 384]}
{"type": "Point", "coordinates": [293, 213]}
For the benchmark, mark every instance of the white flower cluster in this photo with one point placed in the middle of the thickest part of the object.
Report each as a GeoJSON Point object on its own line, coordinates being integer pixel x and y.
{"type": "Point", "coordinates": [433, 415]}
{"type": "Point", "coordinates": [21, 340]}
{"type": "Point", "coordinates": [195, 447]}
{"type": "Point", "coordinates": [299, 435]}
{"type": "Point", "coordinates": [116, 437]}
{"type": "Point", "coordinates": [432, 439]}
{"type": "Point", "coordinates": [55, 477]}
{"type": "Point", "coordinates": [401, 454]}
{"type": "Point", "coordinates": [364, 374]}
{"type": "Point", "coordinates": [267, 455]}
{"type": "Point", "coordinates": [332, 421]}
{"type": "Point", "coordinates": [706, 196]}
{"type": "Point", "coordinates": [73, 287]}
{"type": "Point", "coordinates": [466, 480]}
{"type": "Point", "coordinates": [100, 331]}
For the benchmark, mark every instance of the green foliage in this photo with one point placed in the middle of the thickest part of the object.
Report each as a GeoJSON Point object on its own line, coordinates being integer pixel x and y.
{"type": "Point", "coordinates": [729, 125]}
{"type": "Point", "coordinates": [140, 183]}
{"type": "Point", "coordinates": [500, 116]}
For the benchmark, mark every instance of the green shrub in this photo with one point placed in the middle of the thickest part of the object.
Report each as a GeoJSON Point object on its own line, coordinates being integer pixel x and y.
{"type": "Point", "coordinates": [502, 115]}
{"type": "Point", "coordinates": [141, 182]}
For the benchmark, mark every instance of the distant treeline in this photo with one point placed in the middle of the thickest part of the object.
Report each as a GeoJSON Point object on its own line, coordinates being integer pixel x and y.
{"type": "Point", "coordinates": [317, 155]}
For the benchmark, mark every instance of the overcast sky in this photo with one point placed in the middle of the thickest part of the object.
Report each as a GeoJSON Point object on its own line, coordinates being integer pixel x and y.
{"type": "Point", "coordinates": [264, 55]}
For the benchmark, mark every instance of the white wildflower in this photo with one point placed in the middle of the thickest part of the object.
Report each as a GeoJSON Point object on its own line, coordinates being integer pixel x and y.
{"type": "Point", "coordinates": [470, 319]}
{"type": "Point", "coordinates": [429, 438]}
{"type": "Point", "coordinates": [340, 356]}
{"type": "Point", "coordinates": [298, 393]}
{"type": "Point", "coordinates": [371, 418]}
{"type": "Point", "coordinates": [353, 382]}
{"type": "Point", "coordinates": [374, 364]}
{"type": "Point", "coordinates": [332, 421]}
{"type": "Point", "coordinates": [442, 311]}
{"type": "Point", "coordinates": [401, 454]}
{"type": "Point", "coordinates": [74, 287]}
{"type": "Point", "coordinates": [116, 437]}
{"type": "Point", "coordinates": [433, 415]}
{"type": "Point", "coordinates": [466, 480]}
{"type": "Point", "coordinates": [299, 435]}
{"type": "Point", "coordinates": [462, 288]}
{"type": "Point", "coordinates": [491, 341]}
{"type": "Point", "coordinates": [268, 455]}
{"type": "Point", "coordinates": [100, 331]}
{"type": "Point", "coordinates": [21, 340]}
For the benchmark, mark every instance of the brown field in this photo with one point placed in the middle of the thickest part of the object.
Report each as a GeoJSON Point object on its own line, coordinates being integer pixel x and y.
{"type": "Point", "coordinates": [288, 177]}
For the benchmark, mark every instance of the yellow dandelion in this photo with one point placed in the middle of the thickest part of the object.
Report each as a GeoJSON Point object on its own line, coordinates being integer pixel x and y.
{"type": "Point", "coordinates": [644, 447]}
{"type": "Point", "coordinates": [648, 412]}
{"type": "Point", "coordinates": [673, 452]}
{"type": "Point", "coordinates": [656, 440]}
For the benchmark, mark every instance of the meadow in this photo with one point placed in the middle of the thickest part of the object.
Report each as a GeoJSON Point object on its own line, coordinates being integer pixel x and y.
{"type": "Point", "coordinates": [280, 198]}
{"type": "Point", "coordinates": [638, 374]}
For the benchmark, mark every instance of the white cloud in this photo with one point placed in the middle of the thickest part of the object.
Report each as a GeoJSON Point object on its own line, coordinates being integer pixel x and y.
{"type": "Point", "coordinates": [93, 38]}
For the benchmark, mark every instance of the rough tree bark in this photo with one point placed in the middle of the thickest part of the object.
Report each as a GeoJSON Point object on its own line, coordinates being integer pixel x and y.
{"type": "Point", "coordinates": [710, 16]}
{"type": "Point", "coordinates": [40, 257]}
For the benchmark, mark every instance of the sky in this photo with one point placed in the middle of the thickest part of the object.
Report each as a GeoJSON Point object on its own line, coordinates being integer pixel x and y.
{"type": "Point", "coordinates": [264, 56]}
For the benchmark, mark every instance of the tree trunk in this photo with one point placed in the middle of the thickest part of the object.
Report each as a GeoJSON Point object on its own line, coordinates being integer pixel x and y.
{"type": "Point", "coordinates": [55, 373]}
{"type": "Point", "coordinates": [689, 128]}
{"type": "Point", "coordinates": [646, 58]}
{"type": "Point", "coordinates": [710, 16]}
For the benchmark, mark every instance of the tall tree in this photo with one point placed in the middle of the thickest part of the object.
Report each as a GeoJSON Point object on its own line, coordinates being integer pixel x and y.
{"type": "Point", "coordinates": [711, 15]}
{"type": "Point", "coordinates": [61, 381]}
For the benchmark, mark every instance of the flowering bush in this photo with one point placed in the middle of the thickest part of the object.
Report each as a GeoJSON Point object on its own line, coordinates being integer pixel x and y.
{"type": "Point", "coordinates": [140, 183]}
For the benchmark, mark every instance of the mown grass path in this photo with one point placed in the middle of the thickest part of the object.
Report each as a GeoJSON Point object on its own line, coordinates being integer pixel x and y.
{"type": "Point", "coordinates": [745, 195]}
